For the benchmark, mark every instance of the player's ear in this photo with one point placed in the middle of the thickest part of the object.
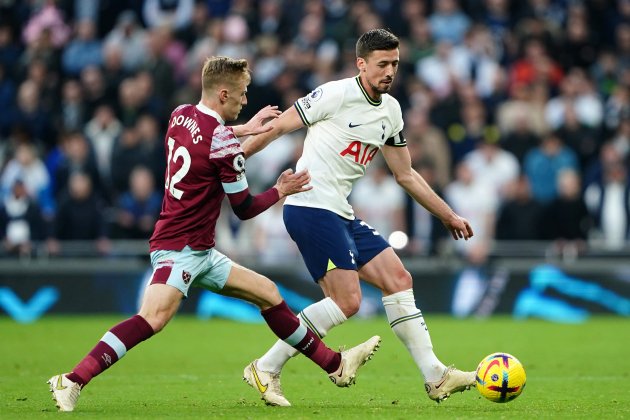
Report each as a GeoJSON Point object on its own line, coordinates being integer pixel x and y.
{"type": "Point", "coordinates": [361, 64]}
{"type": "Point", "coordinates": [223, 95]}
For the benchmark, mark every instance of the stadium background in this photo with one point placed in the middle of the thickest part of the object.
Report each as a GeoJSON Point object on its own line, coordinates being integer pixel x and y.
{"type": "Point", "coordinates": [518, 113]}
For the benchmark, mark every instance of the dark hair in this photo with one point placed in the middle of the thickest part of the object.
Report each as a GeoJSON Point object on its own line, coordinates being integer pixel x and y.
{"type": "Point", "coordinates": [374, 40]}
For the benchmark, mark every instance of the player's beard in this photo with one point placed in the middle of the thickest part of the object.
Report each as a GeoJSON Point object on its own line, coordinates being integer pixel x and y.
{"type": "Point", "coordinates": [382, 90]}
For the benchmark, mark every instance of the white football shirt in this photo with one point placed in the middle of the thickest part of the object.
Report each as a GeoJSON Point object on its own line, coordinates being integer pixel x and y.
{"type": "Point", "coordinates": [346, 129]}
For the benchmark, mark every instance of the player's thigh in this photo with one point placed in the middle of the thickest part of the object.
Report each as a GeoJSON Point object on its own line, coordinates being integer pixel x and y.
{"type": "Point", "coordinates": [248, 285]}
{"type": "Point", "coordinates": [386, 272]}
{"type": "Point", "coordinates": [323, 238]}
{"type": "Point", "coordinates": [159, 304]}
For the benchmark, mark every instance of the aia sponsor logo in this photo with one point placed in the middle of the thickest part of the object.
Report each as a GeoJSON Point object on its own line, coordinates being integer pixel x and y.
{"type": "Point", "coordinates": [359, 152]}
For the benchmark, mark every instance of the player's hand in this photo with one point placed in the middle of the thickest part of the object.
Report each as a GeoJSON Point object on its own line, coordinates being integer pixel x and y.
{"type": "Point", "coordinates": [459, 228]}
{"type": "Point", "coordinates": [258, 123]}
{"type": "Point", "coordinates": [292, 183]}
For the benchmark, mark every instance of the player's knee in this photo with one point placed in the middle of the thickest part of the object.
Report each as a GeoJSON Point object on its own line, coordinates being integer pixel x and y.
{"type": "Point", "coordinates": [157, 321]}
{"type": "Point", "coordinates": [349, 304]}
{"type": "Point", "coordinates": [399, 281]}
{"type": "Point", "coordinates": [268, 295]}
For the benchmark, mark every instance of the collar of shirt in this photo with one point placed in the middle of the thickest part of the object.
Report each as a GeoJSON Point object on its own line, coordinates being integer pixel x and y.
{"type": "Point", "coordinates": [201, 107]}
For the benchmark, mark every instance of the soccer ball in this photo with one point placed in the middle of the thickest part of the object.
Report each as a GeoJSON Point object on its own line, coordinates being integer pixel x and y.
{"type": "Point", "coordinates": [500, 377]}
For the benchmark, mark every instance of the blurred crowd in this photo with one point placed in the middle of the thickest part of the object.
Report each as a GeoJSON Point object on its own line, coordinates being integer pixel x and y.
{"type": "Point", "coordinates": [516, 112]}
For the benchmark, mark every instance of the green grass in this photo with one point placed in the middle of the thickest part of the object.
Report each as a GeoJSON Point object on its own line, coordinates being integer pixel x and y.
{"type": "Point", "coordinates": [193, 370]}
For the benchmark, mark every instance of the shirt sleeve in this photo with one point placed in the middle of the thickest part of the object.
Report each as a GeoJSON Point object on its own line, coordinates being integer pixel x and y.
{"type": "Point", "coordinates": [320, 104]}
{"type": "Point", "coordinates": [227, 154]}
{"type": "Point", "coordinates": [397, 139]}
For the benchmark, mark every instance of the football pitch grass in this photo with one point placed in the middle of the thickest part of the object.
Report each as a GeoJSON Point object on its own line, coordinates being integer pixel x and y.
{"type": "Point", "coordinates": [193, 370]}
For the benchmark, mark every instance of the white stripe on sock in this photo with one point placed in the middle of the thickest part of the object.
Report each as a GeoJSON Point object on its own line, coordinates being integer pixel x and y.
{"type": "Point", "coordinates": [114, 342]}
{"type": "Point", "coordinates": [297, 336]}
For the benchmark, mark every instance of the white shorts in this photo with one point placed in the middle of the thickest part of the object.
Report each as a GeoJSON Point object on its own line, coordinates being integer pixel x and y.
{"type": "Point", "coordinates": [208, 269]}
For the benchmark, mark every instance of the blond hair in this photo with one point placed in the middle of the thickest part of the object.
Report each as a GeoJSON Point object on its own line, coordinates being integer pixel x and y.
{"type": "Point", "coordinates": [217, 70]}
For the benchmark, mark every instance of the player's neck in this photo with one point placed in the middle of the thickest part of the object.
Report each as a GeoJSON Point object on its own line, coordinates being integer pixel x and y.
{"type": "Point", "coordinates": [375, 96]}
{"type": "Point", "coordinates": [213, 106]}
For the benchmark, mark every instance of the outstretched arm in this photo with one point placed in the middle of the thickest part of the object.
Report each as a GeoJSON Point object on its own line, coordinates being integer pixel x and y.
{"type": "Point", "coordinates": [399, 162]}
{"type": "Point", "coordinates": [287, 122]}
{"type": "Point", "coordinates": [246, 206]}
{"type": "Point", "coordinates": [258, 123]}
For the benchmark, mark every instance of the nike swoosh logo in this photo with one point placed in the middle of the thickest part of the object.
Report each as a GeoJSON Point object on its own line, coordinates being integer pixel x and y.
{"type": "Point", "coordinates": [440, 384]}
{"type": "Point", "coordinates": [60, 386]}
{"type": "Point", "coordinates": [262, 388]}
{"type": "Point", "coordinates": [343, 365]}
{"type": "Point", "coordinates": [353, 125]}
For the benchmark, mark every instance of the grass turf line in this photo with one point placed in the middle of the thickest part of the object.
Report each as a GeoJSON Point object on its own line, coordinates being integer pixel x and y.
{"type": "Point", "coordinates": [193, 370]}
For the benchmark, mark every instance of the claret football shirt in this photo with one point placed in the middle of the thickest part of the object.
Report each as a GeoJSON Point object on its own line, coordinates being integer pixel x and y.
{"type": "Point", "coordinates": [204, 162]}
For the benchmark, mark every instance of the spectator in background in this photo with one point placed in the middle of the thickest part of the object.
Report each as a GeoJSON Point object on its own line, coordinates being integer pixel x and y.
{"type": "Point", "coordinates": [71, 114]}
{"type": "Point", "coordinates": [579, 137]}
{"type": "Point", "coordinates": [31, 115]}
{"type": "Point", "coordinates": [463, 137]}
{"type": "Point", "coordinates": [427, 143]}
{"type": "Point", "coordinates": [47, 20]}
{"type": "Point", "coordinates": [79, 216]}
{"type": "Point", "coordinates": [176, 14]}
{"type": "Point", "coordinates": [543, 164]}
{"type": "Point", "coordinates": [523, 112]}
{"type": "Point", "coordinates": [426, 233]}
{"type": "Point", "coordinates": [128, 153]}
{"type": "Point", "coordinates": [103, 132]}
{"type": "Point", "coordinates": [47, 82]}
{"type": "Point", "coordinates": [520, 217]}
{"type": "Point", "coordinates": [272, 243]}
{"type": "Point", "coordinates": [387, 214]}
{"type": "Point", "coordinates": [576, 91]}
{"type": "Point", "coordinates": [76, 157]}
{"type": "Point", "coordinates": [491, 164]}
{"type": "Point", "coordinates": [608, 201]}
{"type": "Point", "coordinates": [27, 167]}
{"type": "Point", "coordinates": [138, 209]}
{"type": "Point", "coordinates": [83, 50]}
{"type": "Point", "coordinates": [158, 65]}
{"type": "Point", "coordinates": [477, 202]}
{"type": "Point", "coordinates": [535, 66]}
{"type": "Point", "coordinates": [448, 22]}
{"type": "Point", "coordinates": [620, 139]}
{"type": "Point", "coordinates": [21, 221]}
{"type": "Point", "coordinates": [7, 102]}
{"type": "Point", "coordinates": [10, 50]}
{"type": "Point", "coordinates": [567, 220]}
{"type": "Point", "coordinates": [96, 91]}
{"type": "Point", "coordinates": [131, 38]}
{"type": "Point", "coordinates": [152, 143]}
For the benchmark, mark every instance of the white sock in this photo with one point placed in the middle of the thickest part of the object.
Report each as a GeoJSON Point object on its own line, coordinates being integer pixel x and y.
{"type": "Point", "coordinates": [319, 317]}
{"type": "Point", "coordinates": [408, 324]}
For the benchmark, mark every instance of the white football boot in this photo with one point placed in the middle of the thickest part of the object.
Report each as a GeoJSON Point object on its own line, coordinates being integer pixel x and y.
{"type": "Point", "coordinates": [453, 380]}
{"type": "Point", "coordinates": [64, 392]}
{"type": "Point", "coordinates": [352, 359]}
{"type": "Point", "coordinates": [267, 384]}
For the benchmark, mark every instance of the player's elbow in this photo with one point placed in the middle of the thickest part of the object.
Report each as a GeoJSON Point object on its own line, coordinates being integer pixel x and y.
{"type": "Point", "coordinates": [242, 209]}
{"type": "Point", "coordinates": [404, 178]}
{"type": "Point", "coordinates": [242, 215]}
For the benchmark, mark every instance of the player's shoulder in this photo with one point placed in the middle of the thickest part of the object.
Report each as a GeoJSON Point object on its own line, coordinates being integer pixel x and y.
{"type": "Point", "coordinates": [391, 104]}
{"type": "Point", "coordinates": [224, 143]}
{"type": "Point", "coordinates": [181, 109]}
{"type": "Point", "coordinates": [333, 89]}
